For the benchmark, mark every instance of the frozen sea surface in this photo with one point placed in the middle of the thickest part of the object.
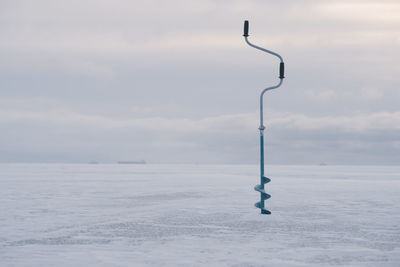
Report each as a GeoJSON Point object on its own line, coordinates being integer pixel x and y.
{"type": "Point", "coordinates": [198, 215]}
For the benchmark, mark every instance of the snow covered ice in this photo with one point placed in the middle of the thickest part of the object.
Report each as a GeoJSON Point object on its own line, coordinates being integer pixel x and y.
{"type": "Point", "coordinates": [198, 215]}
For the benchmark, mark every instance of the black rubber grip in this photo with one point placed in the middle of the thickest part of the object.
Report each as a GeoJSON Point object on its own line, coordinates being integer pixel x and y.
{"type": "Point", "coordinates": [246, 28]}
{"type": "Point", "coordinates": [282, 70]}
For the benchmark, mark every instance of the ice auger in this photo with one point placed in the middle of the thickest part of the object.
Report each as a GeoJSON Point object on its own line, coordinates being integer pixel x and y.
{"type": "Point", "coordinates": [260, 187]}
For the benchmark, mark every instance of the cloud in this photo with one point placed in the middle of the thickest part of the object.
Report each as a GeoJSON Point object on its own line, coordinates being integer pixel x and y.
{"type": "Point", "coordinates": [219, 138]}
{"type": "Point", "coordinates": [49, 111]}
{"type": "Point", "coordinates": [174, 81]}
{"type": "Point", "coordinates": [366, 11]}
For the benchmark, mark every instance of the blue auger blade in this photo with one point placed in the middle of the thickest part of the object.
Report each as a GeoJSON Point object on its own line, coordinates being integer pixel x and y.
{"type": "Point", "coordinates": [263, 210]}
{"type": "Point", "coordinates": [266, 180]}
{"type": "Point", "coordinates": [264, 196]}
{"type": "Point", "coordinates": [262, 191]}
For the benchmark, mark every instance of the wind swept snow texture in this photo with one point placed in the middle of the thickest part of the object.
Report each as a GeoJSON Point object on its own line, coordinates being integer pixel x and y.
{"type": "Point", "coordinates": [198, 215]}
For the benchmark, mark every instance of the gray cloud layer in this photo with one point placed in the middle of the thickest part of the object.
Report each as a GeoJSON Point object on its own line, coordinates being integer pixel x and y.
{"type": "Point", "coordinates": [173, 81]}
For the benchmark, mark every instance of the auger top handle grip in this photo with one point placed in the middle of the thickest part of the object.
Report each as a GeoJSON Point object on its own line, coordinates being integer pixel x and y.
{"type": "Point", "coordinates": [246, 28]}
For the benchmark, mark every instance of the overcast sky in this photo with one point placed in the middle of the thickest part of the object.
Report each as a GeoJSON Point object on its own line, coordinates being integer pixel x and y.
{"type": "Point", "coordinates": [174, 82]}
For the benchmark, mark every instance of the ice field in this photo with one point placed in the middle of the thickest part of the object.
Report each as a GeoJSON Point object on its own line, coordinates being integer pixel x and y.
{"type": "Point", "coordinates": [198, 215]}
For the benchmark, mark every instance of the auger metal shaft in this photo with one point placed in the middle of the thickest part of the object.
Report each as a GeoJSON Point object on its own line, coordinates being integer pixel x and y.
{"type": "Point", "coordinates": [263, 180]}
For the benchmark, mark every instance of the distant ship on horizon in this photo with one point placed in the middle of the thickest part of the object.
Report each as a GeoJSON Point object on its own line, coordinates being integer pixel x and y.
{"type": "Point", "coordinates": [132, 162]}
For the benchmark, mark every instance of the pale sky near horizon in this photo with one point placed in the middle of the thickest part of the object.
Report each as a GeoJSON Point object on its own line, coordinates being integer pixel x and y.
{"type": "Point", "coordinates": [174, 82]}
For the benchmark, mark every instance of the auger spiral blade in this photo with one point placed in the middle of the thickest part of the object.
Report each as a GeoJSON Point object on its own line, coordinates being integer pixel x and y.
{"type": "Point", "coordinates": [264, 196]}
{"type": "Point", "coordinates": [263, 210]}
